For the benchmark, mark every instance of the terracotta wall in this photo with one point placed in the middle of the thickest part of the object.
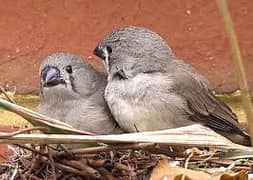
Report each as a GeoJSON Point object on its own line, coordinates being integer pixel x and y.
{"type": "Point", "coordinates": [32, 29]}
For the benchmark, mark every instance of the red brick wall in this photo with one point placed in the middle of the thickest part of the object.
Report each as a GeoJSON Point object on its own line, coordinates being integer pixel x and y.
{"type": "Point", "coordinates": [31, 29]}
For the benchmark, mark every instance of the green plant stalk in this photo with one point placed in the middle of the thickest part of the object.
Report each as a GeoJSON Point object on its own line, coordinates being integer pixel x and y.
{"type": "Point", "coordinates": [238, 63]}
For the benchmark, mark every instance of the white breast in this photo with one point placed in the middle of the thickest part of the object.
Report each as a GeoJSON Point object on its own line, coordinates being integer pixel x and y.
{"type": "Point", "coordinates": [144, 103]}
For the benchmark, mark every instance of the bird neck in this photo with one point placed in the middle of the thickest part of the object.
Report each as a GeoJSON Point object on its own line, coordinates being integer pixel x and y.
{"type": "Point", "coordinates": [54, 95]}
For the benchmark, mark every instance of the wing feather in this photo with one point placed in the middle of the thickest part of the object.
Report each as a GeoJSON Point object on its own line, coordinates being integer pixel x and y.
{"type": "Point", "coordinates": [204, 107]}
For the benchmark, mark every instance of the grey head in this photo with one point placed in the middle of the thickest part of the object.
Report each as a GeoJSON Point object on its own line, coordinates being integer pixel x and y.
{"type": "Point", "coordinates": [67, 76]}
{"type": "Point", "coordinates": [126, 49]}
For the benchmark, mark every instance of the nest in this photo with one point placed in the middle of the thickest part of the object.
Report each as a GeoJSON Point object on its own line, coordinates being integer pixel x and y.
{"type": "Point", "coordinates": [107, 162]}
{"type": "Point", "coordinates": [124, 156]}
{"type": "Point", "coordinates": [47, 162]}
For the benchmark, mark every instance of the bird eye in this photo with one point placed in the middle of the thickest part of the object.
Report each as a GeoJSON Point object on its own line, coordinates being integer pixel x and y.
{"type": "Point", "coordinates": [109, 49]}
{"type": "Point", "coordinates": [69, 69]}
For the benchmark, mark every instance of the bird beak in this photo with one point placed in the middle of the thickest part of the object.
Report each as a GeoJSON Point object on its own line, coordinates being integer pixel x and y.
{"type": "Point", "coordinates": [99, 51]}
{"type": "Point", "coordinates": [102, 53]}
{"type": "Point", "coordinates": [51, 76]}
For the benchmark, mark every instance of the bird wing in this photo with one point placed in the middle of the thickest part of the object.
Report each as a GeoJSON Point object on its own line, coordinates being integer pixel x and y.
{"type": "Point", "coordinates": [203, 106]}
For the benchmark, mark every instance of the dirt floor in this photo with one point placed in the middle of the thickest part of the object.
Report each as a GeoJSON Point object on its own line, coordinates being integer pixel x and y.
{"type": "Point", "coordinates": [30, 30]}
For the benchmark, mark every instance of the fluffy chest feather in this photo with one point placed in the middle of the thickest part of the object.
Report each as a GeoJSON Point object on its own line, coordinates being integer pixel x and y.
{"type": "Point", "coordinates": [144, 103]}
